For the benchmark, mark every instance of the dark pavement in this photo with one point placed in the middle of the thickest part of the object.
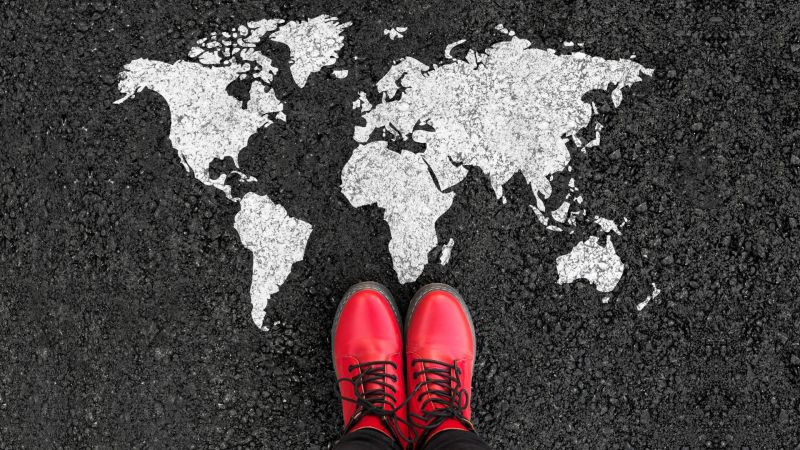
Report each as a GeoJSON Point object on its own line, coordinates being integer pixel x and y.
{"type": "Point", "coordinates": [124, 297]}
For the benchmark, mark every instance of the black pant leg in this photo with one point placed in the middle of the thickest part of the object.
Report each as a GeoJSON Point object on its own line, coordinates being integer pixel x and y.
{"type": "Point", "coordinates": [366, 439]}
{"type": "Point", "coordinates": [456, 440]}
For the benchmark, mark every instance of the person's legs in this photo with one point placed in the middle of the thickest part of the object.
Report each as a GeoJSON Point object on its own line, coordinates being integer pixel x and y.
{"type": "Point", "coordinates": [366, 439]}
{"type": "Point", "coordinates": [367, 340]}
{"type": "Point", "coordinates": [440, 354]}
{"type": "Point", "coordinates": [456, 440]}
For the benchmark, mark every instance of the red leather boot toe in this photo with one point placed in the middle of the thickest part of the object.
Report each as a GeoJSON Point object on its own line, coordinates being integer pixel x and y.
{"type": "Point", "coordinates": [440, 354]}
{"type": "Point", "coordinates": [367, 340]}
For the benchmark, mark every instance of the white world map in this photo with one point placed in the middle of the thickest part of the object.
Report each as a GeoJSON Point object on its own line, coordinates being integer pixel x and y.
{"type": "Point", "coordinates": [508, 109]}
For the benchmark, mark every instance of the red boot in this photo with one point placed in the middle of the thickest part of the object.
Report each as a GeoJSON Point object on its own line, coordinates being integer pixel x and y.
{"type": "Point", "coordinates": [440, 354]}
{"type": "Point", "coordinates": [367, 340]}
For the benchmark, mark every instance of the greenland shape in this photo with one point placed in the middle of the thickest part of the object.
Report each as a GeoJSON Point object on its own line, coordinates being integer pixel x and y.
{"type": "Point", "coordinates": [313, 44]}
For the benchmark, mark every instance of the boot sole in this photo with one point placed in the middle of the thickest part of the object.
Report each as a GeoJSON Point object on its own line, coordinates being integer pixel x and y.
{"type": "Point", "coordinates": [358, 287]}
{"type": "Point", "coordinates": [427, 289]}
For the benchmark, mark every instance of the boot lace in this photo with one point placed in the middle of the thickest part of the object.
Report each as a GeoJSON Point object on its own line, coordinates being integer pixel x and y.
{"type": "Point", "coordinates": [375, 395]}
{"type": "Point", "coordinates": [446, 398]}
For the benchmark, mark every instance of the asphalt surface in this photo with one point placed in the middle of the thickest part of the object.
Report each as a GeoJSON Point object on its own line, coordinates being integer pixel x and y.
{"type": "Point", "coordinates": [124, 303]}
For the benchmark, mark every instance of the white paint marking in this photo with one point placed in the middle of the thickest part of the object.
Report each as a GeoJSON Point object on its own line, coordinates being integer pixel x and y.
{"type": "Point", "coordinates": [652, 296]}
{"type": "Point", "coordinates": [245, 177]}
{"type": "Point", "coordinates": [560, 214]}
{"type": "Point", "coordinates": [544, 220]}
{"type": "Point", "coordinates": [607, 225]}
{"type": "Point", "coordinates": [501, 28]}
{"type": "Point", "coordinates": [596, 141]}
{"type": "Point", "coordinates": [207, 123]}
{"type": "Point", "coordinates": [504, 110]}
{"type": "Point", "coordinates": [447, 250]}
{"type": "Point", "coordinates": [395, 33]}
{"type": "Point", "coordinates": [589, 260]}
{"type": "Point", "coordinates": [572, 221]}
{"type": "Point", "coordinates": [539, 203]}
{"type": "Point", "coordinates": [451, 46]}
{"type": "Point", "coordinates": [362, 102]}
{"type": "Point", "coordinates": [313, 44]}
{"type": "Point", "coordinates": [276, 240]}
{"type": "Point", "coordinates": [401, 185]}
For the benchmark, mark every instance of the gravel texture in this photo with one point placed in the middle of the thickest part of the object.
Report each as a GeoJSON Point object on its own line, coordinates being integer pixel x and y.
{"type": "Point", "coordinates": [124, 302]}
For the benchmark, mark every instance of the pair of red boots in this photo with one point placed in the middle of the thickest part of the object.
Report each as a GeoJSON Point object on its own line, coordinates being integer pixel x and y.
{"type": "Point", "coordinates": [412, 393]}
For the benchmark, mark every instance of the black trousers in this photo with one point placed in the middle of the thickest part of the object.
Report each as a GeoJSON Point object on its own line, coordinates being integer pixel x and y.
{"type": "Point", "coordinates": [367, 439]}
